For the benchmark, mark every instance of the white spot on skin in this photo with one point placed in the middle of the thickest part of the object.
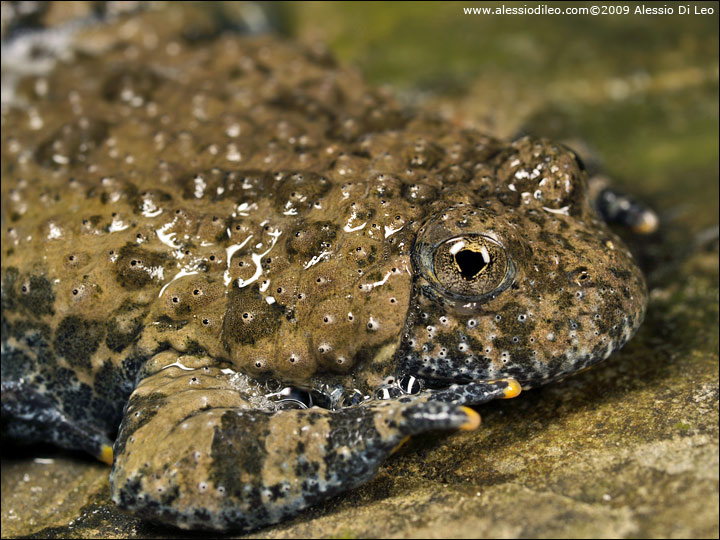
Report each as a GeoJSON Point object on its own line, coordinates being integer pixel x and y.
{"type": "Point", "coordinates": [164, 237]}
{"type": "Point", "coordinates": [229, 251]}
{"type": "Point", "coordinates": [316, 259]}
{"type": "Point", "coordinates": [233, 154]}
{"type": "Point", "coordinates": [200, 186]}
{"type": "Point", "coordinates": [243, 209]}
{"type": "Point", "coordinates": [563, 211]}
{"type": "Point", "coordinates": [149, 209]}
{"type": "Point", "coordinates": [54, 232]}
{"type": "Point", "coordinates": [370, 286]}
{"type": "Point", "coordinates": [348, 227]}
{"type": "Point", "coordinates": [256, 258]}
{"type": "Point", "coordinates": [118, 225]}
{"type": "Point", "coordinates": [181, 273]}
{"type": "Point", "coordinates": [178, 364]}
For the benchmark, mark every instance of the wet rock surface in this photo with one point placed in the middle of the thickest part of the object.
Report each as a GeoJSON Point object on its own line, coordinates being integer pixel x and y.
{"type": "Point", "coordinates": [627, 449]}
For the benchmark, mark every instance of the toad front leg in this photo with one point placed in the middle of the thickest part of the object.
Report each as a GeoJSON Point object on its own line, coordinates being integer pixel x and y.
{"type": "Point", "coordinates": [193, 453]}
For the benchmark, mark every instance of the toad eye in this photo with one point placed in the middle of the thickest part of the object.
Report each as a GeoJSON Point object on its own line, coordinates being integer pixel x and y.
{"type": "Point", "coordinates": [461, 264]}
{"type": "Point", "coordinates": [470, 266]}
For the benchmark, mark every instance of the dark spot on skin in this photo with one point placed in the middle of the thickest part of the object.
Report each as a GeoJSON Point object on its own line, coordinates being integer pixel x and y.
{"type": "Point", "coordinates": [308, 240]}
{"type": "Point", "coordinates": [16, 364]}
{"type": "Point", "coordinates": [129, 80]}
{"type": "Point", "coordinates": [136, 267]}
{"type": "Point", "coordinates": [77, 339]}
{"type": "Point", "coordinates": [249, 317]}
{"type": "Point", "coordinates": [165, 324]}
{"type": "Point", "coordinates": [112, 386]}
{"type": "Point", "coordinates": [75, 141]}
{"type": "Point", "coordinates": [147, 407]}
{"type": "Point", "coordinates": [36, 296]}
{"type": "Point", "coordinates": [77, 401]}
{"type": "Point", "coordinates": [238, 444]}
{"type": "Point", "coordinates": [193, 348]}
{"type": "Point", "coordinates": [125, 327]}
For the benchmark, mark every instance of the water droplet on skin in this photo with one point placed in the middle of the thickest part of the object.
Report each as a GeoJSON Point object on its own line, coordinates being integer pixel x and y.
{"type": "Point", "coordinates": [410, 385]}
{"type": "Point", "coordinates": [387, 392]}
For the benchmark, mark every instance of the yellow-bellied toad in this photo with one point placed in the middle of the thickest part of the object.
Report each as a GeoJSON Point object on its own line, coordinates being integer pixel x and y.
{"type": "Point", "coordinates": [268, 274]}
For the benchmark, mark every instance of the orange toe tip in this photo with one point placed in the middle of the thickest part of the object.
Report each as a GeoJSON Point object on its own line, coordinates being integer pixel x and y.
{"type": "Point", "coordinates": [647, 224]}
{"type": "Point", "coordinates": [106, 454]}
{"type": "Point", "coordinates": [513, 389]}
{"type": "Point", "coordinates": [400, 444]}
{"type": "Point", "coordinates": [473, 419]}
